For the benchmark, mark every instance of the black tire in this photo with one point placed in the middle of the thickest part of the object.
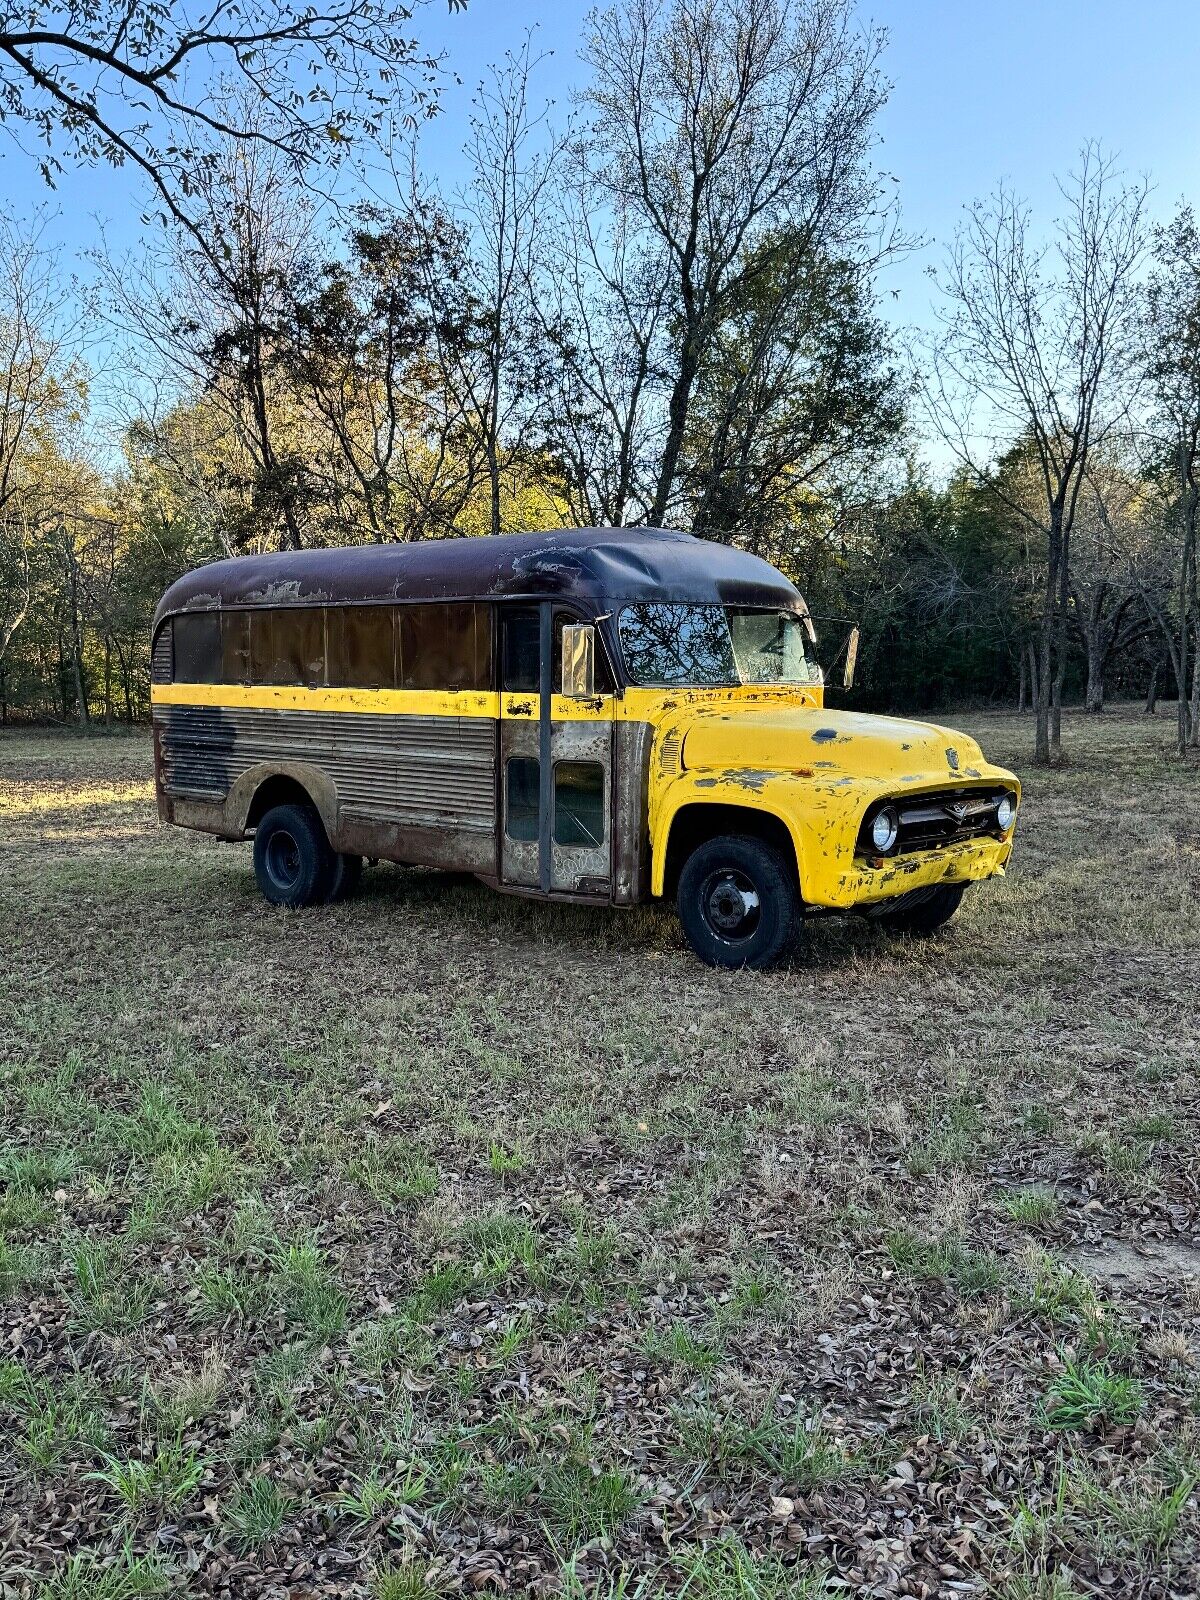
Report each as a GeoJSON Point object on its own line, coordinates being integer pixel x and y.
{"type": "Point", "coordinates": [347, 874]}
{"type": "Point", "coordinates": [723, 932]}
{"type": "Point", "coordinates": [923, 911]}
{"type": "Point", "coordinates": [292, 859]}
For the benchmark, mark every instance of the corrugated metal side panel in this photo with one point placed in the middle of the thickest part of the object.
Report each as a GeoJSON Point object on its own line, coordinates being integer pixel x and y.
{"type": "Point", "coordinates": [161, 662]}
{"type": "Point", "coordinates": [398, 769]}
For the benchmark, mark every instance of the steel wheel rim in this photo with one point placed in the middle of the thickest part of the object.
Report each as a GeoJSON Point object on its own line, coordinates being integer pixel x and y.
{"type": "Point", "coordinates": [283, 860]}
{"type": "Point", "coordinates": [730, 905]}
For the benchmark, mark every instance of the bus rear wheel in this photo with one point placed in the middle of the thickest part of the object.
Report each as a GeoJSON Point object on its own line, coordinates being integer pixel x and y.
{"type": "Point", "coordinates": [923, 911]}
{"type": "Point", "coordinates": [293, 862]}
{"type": "Point", "coordinates": [738, 902]}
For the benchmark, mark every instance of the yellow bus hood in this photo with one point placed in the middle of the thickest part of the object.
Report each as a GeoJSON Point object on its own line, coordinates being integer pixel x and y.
{"type": "Point", "coordinates": [825, 743]}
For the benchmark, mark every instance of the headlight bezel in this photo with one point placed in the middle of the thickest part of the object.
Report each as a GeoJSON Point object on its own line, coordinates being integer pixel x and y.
{"type": "Point", "coordinates": [890, 817]}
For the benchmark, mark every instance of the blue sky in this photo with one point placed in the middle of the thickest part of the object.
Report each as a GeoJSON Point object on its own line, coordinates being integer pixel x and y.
{"type": "Point", "coordinates": [981, 89]}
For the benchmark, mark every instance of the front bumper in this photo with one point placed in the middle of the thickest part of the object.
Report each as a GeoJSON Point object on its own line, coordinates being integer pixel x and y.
{"type": "Point", "coordinates": [967, 861]}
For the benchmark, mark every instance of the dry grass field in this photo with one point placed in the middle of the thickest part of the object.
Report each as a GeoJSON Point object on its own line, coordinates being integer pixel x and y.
{"type": "Point", "coordinates": [438, 1241]}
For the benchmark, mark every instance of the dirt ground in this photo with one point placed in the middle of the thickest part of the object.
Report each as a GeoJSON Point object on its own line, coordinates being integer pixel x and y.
{"type": "Point", "coordinates": [440, 1241]}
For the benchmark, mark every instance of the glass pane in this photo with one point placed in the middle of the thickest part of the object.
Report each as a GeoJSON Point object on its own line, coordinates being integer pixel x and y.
{"type": "Point", "coordinates": [677, 644]}
{"type": "Point", "coordinates": [523, 778]}
{"type": "Point", "coordinates": [361, 643]}
{"type": "Point", "coordinates": [771, 647]}
{"type": "Point", "coordinates": [198, 648]}
{"type": "Point", "coordinates": [440, 647]}
{"type": "Point", "coordinates": [287, 647]}
{"type": "Point", "coordinates": [579, 803]}
{"type": "Point", "coordinates": [522, 652]}
{"type": "Point", "coordinates": [235, 647]}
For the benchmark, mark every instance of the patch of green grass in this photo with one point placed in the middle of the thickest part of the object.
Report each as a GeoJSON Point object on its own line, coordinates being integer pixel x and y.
{"type": "Point", "coordinates": [756, 1290]}
{"type": "Point", "coordinates": [36, 1170]}
{"type": "Point", "coordinates": [108, 1295]}
{"type": "Point", "coordinates": [505, 1163]}
{"type": "Point", "coordinates": [581, 1503]}
{"type": "Point", "coordinates": [498, 1245]}
{"type": "Point", "coordinates": [1157, 1127]}
{"type": "Point", "coordinates": [227, 1292]}
{"type": "Point", "coordinates": [937, 1407]}
{"type": "Point", "coordinates": [375, 1498]}
{"type": "Point", "coordinates": [257, 1511]}
{"type": "Point", "coordinates": [1032, 1207]}
{"type": "Point", "coordinates": [394, 1343]}
{"type": "Point", "coordinates": [307, 1291]}
{"type": "Point", "coordinates": [167, 1479]}
{"type": "Point", "coordinates": [409, 1580]}
{"type": "Point", "coordinates": [1087, 1393]}
{"type": "Point", "coordinates": [92, 1577]}
{"type": "Point", "coordinates": [1049, 1288]}
{"type": "Point", "coordinates": [59, 1421]}
{"type": "Point", "coordinates": [970, 1272]}
{"type": "Point", "coordinates": [799, 1449]}
{"type": "Point", "coordinates": [507, 1486]}
{"type": "Point", "coordinates": [679, 1346]}
{"type": "Point", "coordinates": [393, 1172]}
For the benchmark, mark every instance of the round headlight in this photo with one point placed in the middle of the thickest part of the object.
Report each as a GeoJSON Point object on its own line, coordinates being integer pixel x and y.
{"type": "Point", "coordinates": [884, 830]}
{"type": "Point", "coordinates": [1006, 812]}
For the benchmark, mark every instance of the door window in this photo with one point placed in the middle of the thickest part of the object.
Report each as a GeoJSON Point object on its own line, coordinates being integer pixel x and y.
{"type": "Point", "coordinates": [579, 803]}
{"type": "Point", "coordinates": [520, 672]}
{"type": "Point", "coordinates": [523, 783]}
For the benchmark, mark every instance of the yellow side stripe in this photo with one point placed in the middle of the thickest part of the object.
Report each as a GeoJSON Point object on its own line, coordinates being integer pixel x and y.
{"type": "Point", "coordinates": [636, 705]}
{"type": "Point", "coordinates": [268, 697]}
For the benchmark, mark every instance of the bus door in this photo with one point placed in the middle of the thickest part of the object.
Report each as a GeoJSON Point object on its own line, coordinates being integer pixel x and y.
{"type": "Point", "coordinates": [555, 753]}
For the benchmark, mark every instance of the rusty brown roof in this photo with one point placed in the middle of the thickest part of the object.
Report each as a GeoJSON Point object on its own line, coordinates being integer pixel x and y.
{"type": "Point", "coordinates": [599, 567]}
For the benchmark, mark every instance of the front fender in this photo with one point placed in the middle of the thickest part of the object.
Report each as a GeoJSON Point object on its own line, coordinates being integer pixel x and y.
{"type": "Point", "coordinates": [749, 789]}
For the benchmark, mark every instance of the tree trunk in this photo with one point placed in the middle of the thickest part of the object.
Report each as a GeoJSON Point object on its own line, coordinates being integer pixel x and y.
{"type": "Point", "coordinates": [1150, 709]}
{"type": "Point", "coordinates": [1060, 645]}
{"type": "Point", "coordinates": [1041, 742]}
{"type": "Point", "coordinates": [1023, 690]}
{"type": "Point", "coordinates": [1094, 698]}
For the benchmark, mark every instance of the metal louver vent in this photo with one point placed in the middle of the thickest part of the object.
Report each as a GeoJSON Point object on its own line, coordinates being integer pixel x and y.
{"type": "Point", "coordinates": [668, 759]}
{"type": "Point", "coordinates": [160, 659]}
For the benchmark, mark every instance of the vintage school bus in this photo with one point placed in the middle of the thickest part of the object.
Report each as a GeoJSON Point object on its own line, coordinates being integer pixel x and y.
{"type": "Point", "coordinates": [607, 715]}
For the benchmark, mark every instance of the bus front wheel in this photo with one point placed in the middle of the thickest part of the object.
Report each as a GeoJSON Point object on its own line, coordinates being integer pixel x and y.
{"type": "Point", "coordinates": [293, 862]}
{"type": "Point", "coordinates": [738, 902]}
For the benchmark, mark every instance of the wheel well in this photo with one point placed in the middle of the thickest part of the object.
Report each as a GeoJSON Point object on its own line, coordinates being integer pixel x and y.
{"type": "Point", "coordinates": [276, 791]}
{"type": "Point", "coordinates": [693, 825]}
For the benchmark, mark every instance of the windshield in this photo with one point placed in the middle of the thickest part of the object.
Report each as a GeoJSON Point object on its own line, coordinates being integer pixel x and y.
{"type": "Point", "coordinates": [697, 646]}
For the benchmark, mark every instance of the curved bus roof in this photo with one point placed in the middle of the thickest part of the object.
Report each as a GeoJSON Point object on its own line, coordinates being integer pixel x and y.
{"type": "Point", "coordinates": [600, 567]}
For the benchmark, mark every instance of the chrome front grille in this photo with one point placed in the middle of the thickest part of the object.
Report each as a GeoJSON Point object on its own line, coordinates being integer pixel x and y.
{"type": "Point", "coordinates": [932, 821]}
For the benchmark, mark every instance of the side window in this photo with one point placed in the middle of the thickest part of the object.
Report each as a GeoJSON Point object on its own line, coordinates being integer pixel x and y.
{"type": "Point", "coordinates": [444, 646]}
{"type": "Point", "coordinates": [521, 652]}
{"type": "Point", "coordinates": [198, 647]}
{"type": "Point", "coordinates": [361, 646]}
{"type": "Point", "coordinates": [522, 778]}
{"type": "Point", "coordinates": [578, 803]}
{"type": "Point", "coordinates": [287, 646]}
{"type": "Point", "coordinates": [235, 647]}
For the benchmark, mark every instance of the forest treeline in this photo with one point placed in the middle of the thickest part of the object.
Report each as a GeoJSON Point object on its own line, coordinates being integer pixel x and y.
{"type": "Point", "coordinates": [659, 304]}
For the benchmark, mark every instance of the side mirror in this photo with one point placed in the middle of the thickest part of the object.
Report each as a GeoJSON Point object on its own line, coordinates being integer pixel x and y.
{"type": "Point", "coordinates": [579, 660]}
{"type": "Point", "coordinates": [851, 659]}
